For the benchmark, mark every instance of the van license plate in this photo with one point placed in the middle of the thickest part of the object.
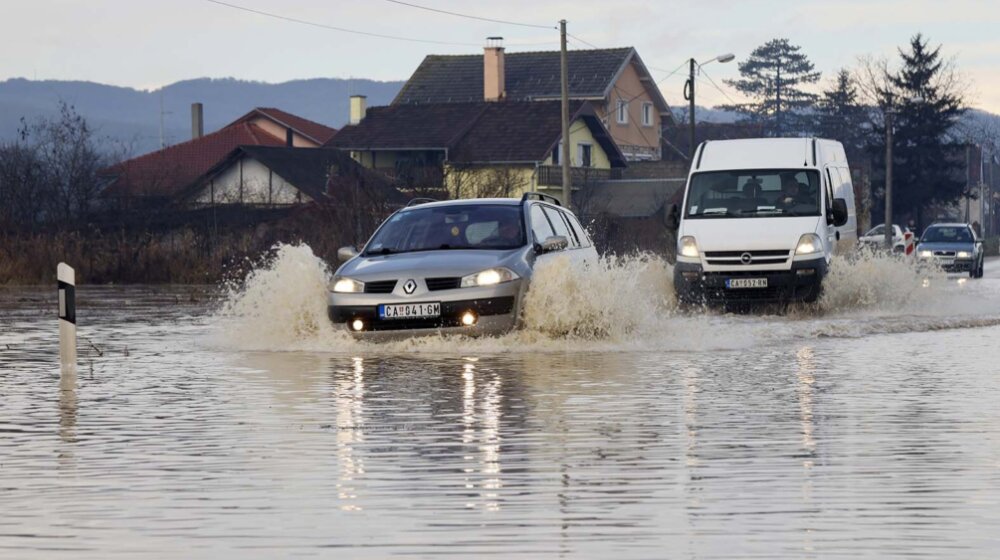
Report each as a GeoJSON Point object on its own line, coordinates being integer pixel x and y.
{"type": "Point", "coordinates": [409, 311]}
{"type": "Point", "coordinates": [739, 283]}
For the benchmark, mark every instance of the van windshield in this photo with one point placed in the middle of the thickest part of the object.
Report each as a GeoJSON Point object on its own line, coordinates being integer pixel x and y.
{"type": "Point", "coordinates": [459, 226]}
{"type": "Point", "coordinates": [756, 193]}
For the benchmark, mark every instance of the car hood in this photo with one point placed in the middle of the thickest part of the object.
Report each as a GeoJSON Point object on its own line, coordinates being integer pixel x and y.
{"type": "Point", "coordinates": [427, 264]}
{"type": "Point", "coordinates": [946, 246]}
{"type": "Point", "coordinates": [743, 234]}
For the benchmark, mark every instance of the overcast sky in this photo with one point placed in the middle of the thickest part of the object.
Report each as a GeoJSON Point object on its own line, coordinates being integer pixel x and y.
{"type": "Point", "coordinates": [149, 43]}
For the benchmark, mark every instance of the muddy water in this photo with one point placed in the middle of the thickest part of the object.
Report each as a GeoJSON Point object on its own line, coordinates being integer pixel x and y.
{"type": "Point", "coordinates": [206, 424]}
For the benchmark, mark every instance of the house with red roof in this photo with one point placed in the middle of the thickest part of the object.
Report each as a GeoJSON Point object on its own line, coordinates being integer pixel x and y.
{"type": "Point", "coordinates": [163, 175]}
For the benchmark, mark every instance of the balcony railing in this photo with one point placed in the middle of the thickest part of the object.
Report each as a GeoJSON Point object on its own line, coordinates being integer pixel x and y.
{"type": "Point", "coordinates": [551, 175]}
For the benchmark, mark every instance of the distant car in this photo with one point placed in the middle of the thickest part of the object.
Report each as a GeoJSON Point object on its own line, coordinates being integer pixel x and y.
{"type": "Point", "coordinates": [452, 267]}
{"type": "Point", "coordinates": [876, 237]}
{"type": "Point", "coordinates": [953, 247]}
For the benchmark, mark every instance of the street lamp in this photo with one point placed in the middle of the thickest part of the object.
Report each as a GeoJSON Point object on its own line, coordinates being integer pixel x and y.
{"type": "Point", "coordinates": [689, 91]}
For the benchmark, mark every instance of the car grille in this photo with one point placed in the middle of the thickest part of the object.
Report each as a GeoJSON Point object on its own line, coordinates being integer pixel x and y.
{"type": "Point", "coordinates": [758, 257]}
{"type": "Point", "coordinates": [944, 253]}
{"type": "Point", "coordinates": [380, 287]}
{"type": "Point", "coordinates": [435, 284]}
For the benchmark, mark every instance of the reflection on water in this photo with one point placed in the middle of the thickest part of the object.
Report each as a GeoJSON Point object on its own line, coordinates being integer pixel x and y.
{"type": "Point", "coordinates": [884, 445]}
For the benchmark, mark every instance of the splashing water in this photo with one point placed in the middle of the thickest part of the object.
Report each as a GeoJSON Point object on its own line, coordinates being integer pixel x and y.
{"type": "Point", "coordinates": [621, 303]}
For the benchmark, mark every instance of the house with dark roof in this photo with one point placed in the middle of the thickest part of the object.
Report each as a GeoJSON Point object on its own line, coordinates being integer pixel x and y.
{"type": "Point", "coordinates": [616, 82]}
{"type": "Point", "coordinates": [481, 148]}
{"type": "Point", "coordinates": [271, 176]}
{"type": "Point", "coordinates": [166, 173]}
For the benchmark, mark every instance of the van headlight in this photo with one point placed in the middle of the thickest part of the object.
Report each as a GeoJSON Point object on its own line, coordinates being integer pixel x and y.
{"type": "Point", "coordinates": [348, 286]}
{"type": "Point", "coordinates": [489, 277]}
{"type": "Point", "coordinates": [688, 247]}
{"type": "Point", "coordinates": [808, 244]}
{"type": "Point", "coordinates": [963, 255]}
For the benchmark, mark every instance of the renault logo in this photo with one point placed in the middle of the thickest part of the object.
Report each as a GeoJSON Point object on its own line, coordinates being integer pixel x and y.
{"type": "Point", "coordinates": [746, 258]}
{"type": "Point", "coordinates": [410, 286]}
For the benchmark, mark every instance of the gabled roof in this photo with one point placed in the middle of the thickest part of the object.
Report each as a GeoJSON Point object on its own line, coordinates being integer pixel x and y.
{"type": "Point", "coordinates": [315, 131]}
{"type": "Point", "coordinates": [170, 170]}
{"type": "Point", "coordinates": [313, 171]}
{"type": "Point", "coordinates": [528, 76]}
{"type": "Point", "coordinates": [498, 132]}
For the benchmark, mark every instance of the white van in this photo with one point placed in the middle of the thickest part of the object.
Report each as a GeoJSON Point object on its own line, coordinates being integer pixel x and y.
{"type": "Point", "coordinates": [761, 219]}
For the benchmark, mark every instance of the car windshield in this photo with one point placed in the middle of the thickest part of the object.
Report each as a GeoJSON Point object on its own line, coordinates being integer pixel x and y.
{"type": "Point", "coordinates": [943, 234]}
{"type": "Point", "coordinates": [755, 193]}
{"type": "Point", "coordinates": [461, 226]}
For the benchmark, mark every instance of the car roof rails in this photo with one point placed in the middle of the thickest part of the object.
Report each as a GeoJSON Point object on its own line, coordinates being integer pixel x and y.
{"type": "Point", "coordinates": [539, 196]}
{"type": "Point", "coordinates": [416, 201]}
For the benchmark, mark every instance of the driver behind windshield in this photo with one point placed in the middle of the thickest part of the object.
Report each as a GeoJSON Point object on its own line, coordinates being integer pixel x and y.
{"type": "Point", "coordinates": [791, 192]}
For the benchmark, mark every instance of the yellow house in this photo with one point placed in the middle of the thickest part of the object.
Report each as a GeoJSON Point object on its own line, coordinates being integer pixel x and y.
{"type": "Point", "coordinates": [484, 149]}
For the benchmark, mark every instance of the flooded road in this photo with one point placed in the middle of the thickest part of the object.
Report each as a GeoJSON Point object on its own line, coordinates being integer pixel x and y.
{"type": "Point", "coordinates": [870, 428]}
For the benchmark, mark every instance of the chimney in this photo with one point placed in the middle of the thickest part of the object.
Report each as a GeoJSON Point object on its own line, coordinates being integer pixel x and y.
{"type": "Point", "coordinates": [494, 88]}
{"type": "Point", "coordinates": [197, 121]}
{"type": "Point", "coordinates": [289, 137]}
{"type": "Point", "coordinates": [359, 106]}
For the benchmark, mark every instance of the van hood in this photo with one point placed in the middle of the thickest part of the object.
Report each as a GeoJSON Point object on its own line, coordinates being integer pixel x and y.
{"type": "Point", "coordinates": [426, 264]}
{"type": "Point", "coordinates": [749, 234]}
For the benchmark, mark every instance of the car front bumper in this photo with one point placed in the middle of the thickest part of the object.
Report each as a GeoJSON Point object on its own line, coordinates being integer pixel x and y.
{"type": "Point", "coordinates": [496, 309]}
{"type": "Point", "coordinates": [801, 283]}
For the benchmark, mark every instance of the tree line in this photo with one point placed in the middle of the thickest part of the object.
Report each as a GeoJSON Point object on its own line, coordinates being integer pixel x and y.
{"type": "Point", "coordinates": [921, 93]}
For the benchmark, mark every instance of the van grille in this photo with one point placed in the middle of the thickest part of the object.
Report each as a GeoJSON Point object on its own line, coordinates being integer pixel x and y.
{"type": "Point", "coordinates": [380, 287]}
{"type": "Point", "coordinates": [757, 257]}
{"type": "Point", "coordinates": [436, 284]}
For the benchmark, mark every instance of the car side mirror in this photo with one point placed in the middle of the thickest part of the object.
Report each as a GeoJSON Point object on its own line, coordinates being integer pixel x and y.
{"type": "Point", "coordinates": [839, 212]}
{"type": "Point", "coordinates": [673, 219]}
{"type": "Point", "coordinates": [345, 254]}
{"type": "Point", "coordinates": [552, 244]}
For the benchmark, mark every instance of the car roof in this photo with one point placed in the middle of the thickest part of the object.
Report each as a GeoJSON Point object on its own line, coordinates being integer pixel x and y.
{"type": "Point", "coordinates": [949, 224]}
{"type": "Point", "coordinates": [468, 201]}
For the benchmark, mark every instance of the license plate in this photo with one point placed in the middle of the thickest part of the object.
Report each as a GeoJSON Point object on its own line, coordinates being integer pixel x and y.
{"type": "Point", "coordinates": [409, 311]}
{"type": "Point", "coordinates": [740, 283]}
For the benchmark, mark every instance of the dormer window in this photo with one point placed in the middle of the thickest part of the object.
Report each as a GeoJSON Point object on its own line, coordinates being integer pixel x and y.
{"type": "Point", "coordinates": [622, 112]}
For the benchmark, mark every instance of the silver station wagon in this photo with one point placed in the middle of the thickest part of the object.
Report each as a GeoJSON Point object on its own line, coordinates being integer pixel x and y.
{"type": "Point", "coordinates": [452, 267]}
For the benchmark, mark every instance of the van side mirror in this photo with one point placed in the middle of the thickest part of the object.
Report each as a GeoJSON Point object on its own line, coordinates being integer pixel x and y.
{"type": "Point", "coordinates": [552, 244]}
{"type": "Point", "coordinates": [345, 254]}
{"type": "Point", "coordinates": [673, 218]}
{"type": "Point", "coordinates": [839, 212]}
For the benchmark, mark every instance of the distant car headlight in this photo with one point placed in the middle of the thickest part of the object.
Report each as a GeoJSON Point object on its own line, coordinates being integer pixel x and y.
{"type": "Point", "coordinates": [348, 286]}
{"type": "Point", "coordinates": [489, 277]}
{"type": "Point", "coordinates": [925, 254]}
{"type": "Point", "coordinates": [688, 247]}
{"type": "Point", "coordinates": [963, 255]}
{"type": "Point", "coordinates": [809, 243]}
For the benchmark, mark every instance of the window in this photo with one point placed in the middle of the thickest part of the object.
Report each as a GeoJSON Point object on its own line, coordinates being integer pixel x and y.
{"type": "Point", "coordinates": [466, 226]}
{"type": "Point", "coordinates": [647, 114]}
{"type": "Point", "coordinates": [559, 225]}
{"type": "Point", "coordinates": [578, 230]}
{"type": "Point", "coordinates": [583, 152]}
{"type": "Point", "coordinates": [622, 111]}
{"type": "Point", "coordinates": [757, 193]}
{"type": "Point", "coordinates": [557, 154]}
{"type": "Point", "coordinates": [540, 227]}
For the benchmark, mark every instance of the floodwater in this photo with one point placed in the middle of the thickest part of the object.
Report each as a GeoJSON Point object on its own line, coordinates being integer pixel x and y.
{"type": "Point", "coordinates": [239, 424]}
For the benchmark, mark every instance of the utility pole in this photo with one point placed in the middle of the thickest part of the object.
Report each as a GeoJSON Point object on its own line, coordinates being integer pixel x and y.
{"type": "Point", "coordinates": [888, 177]}
{"type": "Point", "coordinates": [567, 182]}
{"type": "Point", "coordinates": [690, 97]}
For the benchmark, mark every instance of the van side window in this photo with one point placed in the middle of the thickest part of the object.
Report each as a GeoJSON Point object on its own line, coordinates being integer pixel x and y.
{"type": "Point", "coordinates": [829, 187]}
{"type": "Point", "coordinates": [581, 233]}
{"type": "Point", "coordinates": [559, 225]}
{"type": "Point", "coordinates": [541, 229]}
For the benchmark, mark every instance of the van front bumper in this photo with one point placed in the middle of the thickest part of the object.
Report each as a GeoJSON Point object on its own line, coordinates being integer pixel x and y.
{"type": "Point", "coordinates": [801, 283]}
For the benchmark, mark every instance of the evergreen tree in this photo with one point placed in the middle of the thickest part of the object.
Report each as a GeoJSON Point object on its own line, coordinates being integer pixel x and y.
{"type": "Point", "coordinates": [841, 116]}
{"type": "Point", "coordinates": [772, 77]}
{"type": "Point", "coordinates": [927, 166]}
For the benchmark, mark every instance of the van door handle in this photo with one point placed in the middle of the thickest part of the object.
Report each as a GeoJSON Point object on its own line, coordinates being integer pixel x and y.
{"type": "Point", "coordinates": [837, 235]}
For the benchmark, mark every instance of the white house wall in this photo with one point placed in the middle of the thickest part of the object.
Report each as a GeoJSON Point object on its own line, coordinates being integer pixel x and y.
{"type": "Point", "coordinates": [247, 181]}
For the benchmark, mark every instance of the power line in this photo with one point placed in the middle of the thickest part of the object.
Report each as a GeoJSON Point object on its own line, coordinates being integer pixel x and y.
{"type": "Point", "coordinates": [505, 22]}
{"type": "Point", "coordinates": [591, 45]}
{"type": "Point", "coordinates": [334, 28]}
{"type": "Point", "coordinates": [716, 86]}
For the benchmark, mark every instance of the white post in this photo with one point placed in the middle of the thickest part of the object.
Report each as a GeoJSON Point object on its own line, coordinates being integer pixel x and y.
{"type": "Point", "coordinates": [67, 315]}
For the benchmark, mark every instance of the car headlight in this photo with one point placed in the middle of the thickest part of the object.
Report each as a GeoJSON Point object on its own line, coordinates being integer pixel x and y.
{"type": "Point", "coordinates": [489, 277]}
{"type": "Point", "coordinates": [925, 254]}
{"type": "Point", "coordinates": [348, 286]}
{"type": "Point", "coordinates": [688, 247]}
{"type": "Point", "coordinates": [809, 243]}
{"type": "Point", "coordinates": [963, 255]}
